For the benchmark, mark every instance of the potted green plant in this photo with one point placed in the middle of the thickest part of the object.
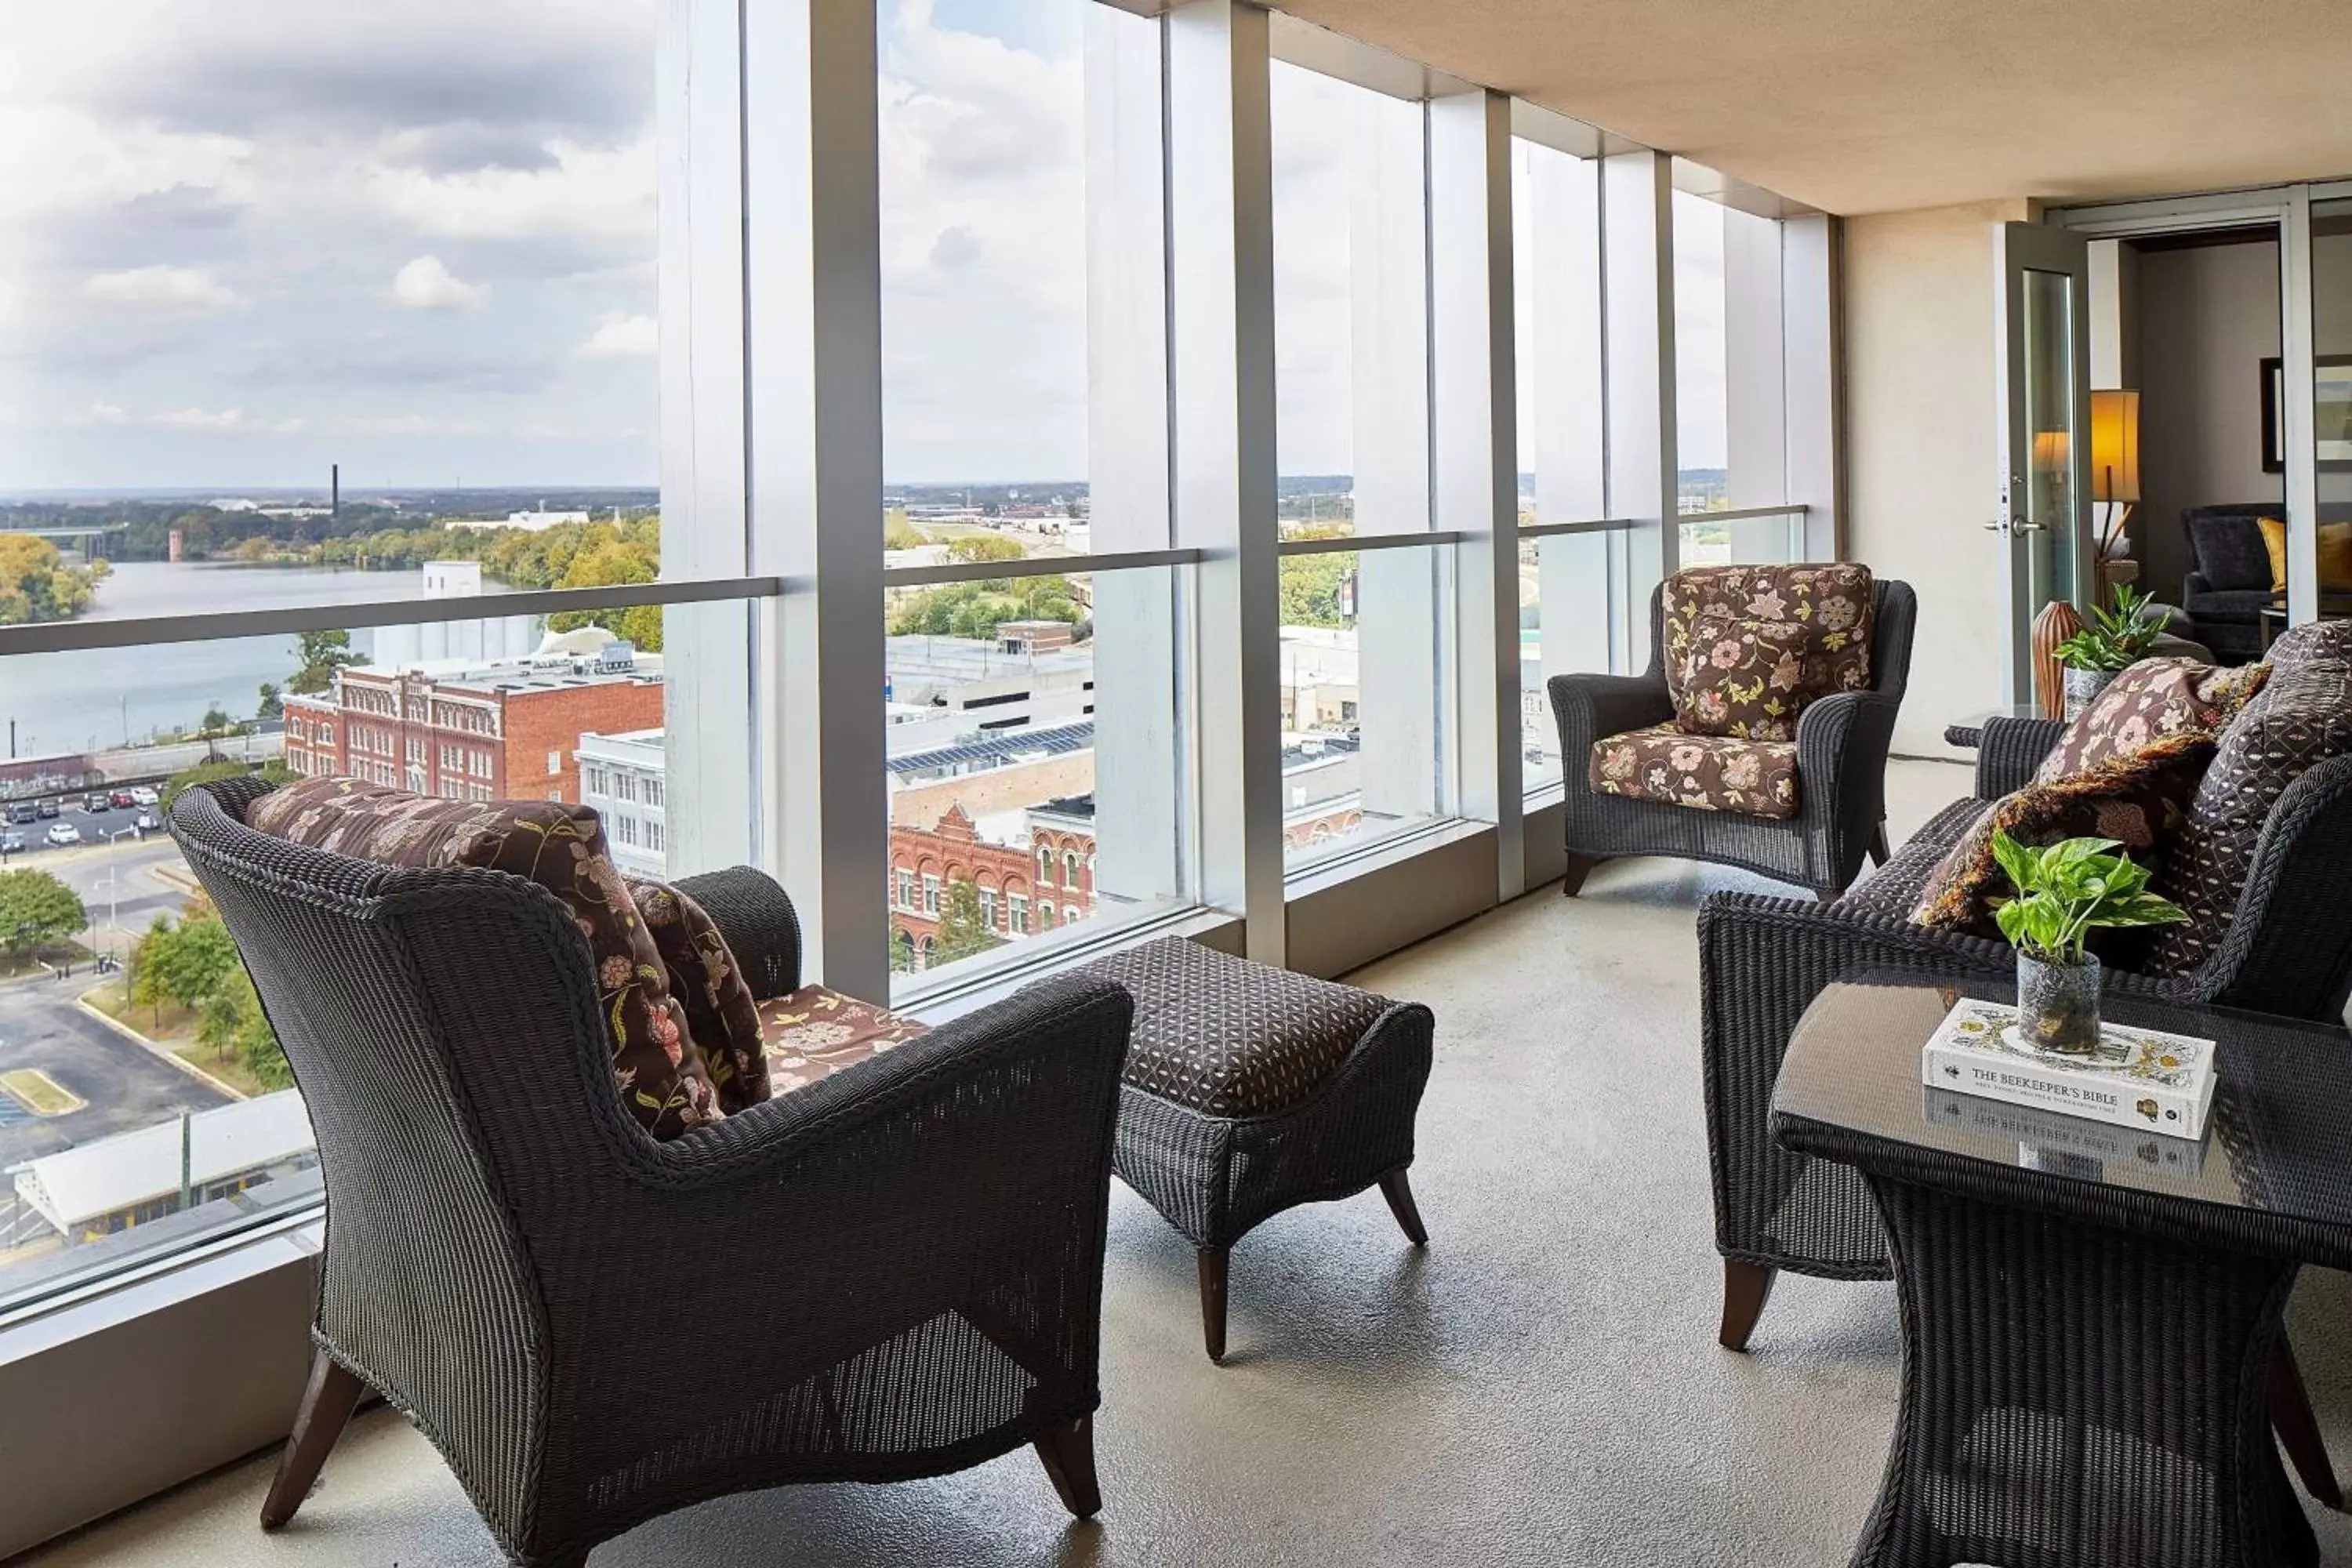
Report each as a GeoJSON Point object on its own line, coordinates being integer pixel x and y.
{"type": "Point", "coordinates": [2113, 640]}
{"type": "Point", "coordinates": [2064, 892]}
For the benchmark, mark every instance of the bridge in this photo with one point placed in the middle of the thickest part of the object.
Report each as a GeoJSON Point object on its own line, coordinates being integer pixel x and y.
{"type": "Point", "coordinates": [90, 538]}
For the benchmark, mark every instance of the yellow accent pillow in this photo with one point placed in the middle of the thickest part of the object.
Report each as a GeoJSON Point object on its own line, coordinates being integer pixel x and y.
{"type": "Point", "coordinates": [2335, 553]}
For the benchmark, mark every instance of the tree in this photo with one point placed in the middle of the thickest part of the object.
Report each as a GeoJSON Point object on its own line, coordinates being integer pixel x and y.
{"type": "Point", "coordinates": [275, 771]}
{"type": "Point", "coordinates": [1311, 589]}
{"type": "Point", "coordinates": [273, 702]}
{"type": "Point", "coordinates": [613, 563]}
{"type": "Point", "coordinates": [897, 533]}
{"type": "Point", "coordinates": [323, 653]}
{"type": "Point", "coordinates": [190, 963]}
{"type": "Point", "coordinates": [217, 721]}
{"type": "Point", "coordinates": [35, 909]}
{"type": "Point", "coordinates": [35, 584]}
{"type": "Point", "coordinates": [987, 547]}
{"type": "Point", "coordinates": [963, 930]}
{"type": "Point", "coordinates": [265, 1058]}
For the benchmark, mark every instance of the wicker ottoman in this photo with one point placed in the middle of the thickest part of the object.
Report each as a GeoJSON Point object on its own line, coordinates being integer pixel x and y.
{"type": "Point", "coordinates": [1250, 1090]}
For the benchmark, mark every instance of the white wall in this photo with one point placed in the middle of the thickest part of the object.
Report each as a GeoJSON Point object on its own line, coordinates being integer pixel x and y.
{"type": "Point", "coordinates": [2208, 317]}
{"type": "Point", "coordinates": [1923, 446]}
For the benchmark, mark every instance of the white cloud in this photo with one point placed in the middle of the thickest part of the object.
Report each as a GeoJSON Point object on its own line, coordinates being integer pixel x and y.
{"type": "Point", "coordinates": [108, 414]}
{"type": "Point", "coordinates": [225, 422]}
{"type": "Point", "coordinates": [586, 193]}
{"type": "Point", "coordinates": [425, 283]}
{"type": "Point", "coordinates": [191, 288]}
{"type": "Point", "coordinates": [619, 336]}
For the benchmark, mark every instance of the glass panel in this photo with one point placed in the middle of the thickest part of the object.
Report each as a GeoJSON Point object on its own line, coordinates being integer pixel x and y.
{"type": "Point", "coordinates": [2049, 408]}
{"type": "Point", "coordinates": [1364, 751]}
{"type": "Point", "coordinates": [1037, 763]}
{"type": "Point", "coordinates": [1022, 278]}
{"type": "Point", "coordinates": [92, 1118]}
{"type": "Point", "coordinates": [1702, 395]}
{"type": "Point", "coordinates": [2331, 320]}
{"type": "Point", "coordinates": [1731, 410]}
{"type": "Point", "coordinates": [454, 359]}
{"type": "Point", "coordinates": [1351, 309]}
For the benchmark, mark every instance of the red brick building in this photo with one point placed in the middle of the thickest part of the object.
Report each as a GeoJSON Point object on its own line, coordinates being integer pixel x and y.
{"type": "Point", "coordinates": [500, 733]}
{"type": "Point", "coordinates": [1025, 888]}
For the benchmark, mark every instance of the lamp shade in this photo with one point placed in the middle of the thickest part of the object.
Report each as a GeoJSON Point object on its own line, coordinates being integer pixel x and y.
{"type": "Point", "coordinates": [2114, 446]}
{"type": "Point", "coordinates": [2050, 451]}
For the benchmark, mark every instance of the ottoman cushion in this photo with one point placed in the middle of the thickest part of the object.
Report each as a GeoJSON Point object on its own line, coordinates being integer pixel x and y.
{"type": "Point", "coordinates": [1226, 1038]}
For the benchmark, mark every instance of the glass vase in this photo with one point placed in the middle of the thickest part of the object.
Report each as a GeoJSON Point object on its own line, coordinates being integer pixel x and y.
{"type": "Point", "coordinates": [2058, 1004]}
{"type": "Point", "coordinates": [2083, 687]}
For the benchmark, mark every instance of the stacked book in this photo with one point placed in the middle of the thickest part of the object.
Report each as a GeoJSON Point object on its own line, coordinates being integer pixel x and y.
{"type": "Point", "coordinates": [2142, 1078]}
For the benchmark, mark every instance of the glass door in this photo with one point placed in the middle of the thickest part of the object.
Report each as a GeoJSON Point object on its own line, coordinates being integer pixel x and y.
{"type": "Point", "coordinates": [2044, 524]}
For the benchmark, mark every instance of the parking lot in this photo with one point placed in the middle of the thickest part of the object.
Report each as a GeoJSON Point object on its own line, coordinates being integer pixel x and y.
{"type": "Point", "coordinates": [95, 827]}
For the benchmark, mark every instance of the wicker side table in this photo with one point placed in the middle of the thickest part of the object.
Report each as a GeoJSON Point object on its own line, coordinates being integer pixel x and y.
{"type": "Point", "coordinates": [2091, 1332]}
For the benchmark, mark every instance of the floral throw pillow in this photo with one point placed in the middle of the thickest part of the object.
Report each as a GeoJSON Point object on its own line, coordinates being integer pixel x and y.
{"type": "Point", "coordinates": [720, 1012]}
{"type": "Point", "coordinates": [2139, 799]}
{"type": "Point", "coordinates": [814, 1033]}
{"type": "Point", "coordinates": [663, 1077]}
{"type": "Point", "coordinates": [1746, 678]}
{"type": "Point", "coordinates": [1835, 598]}
{"type": "Point", "coordinates": [2153, 699]}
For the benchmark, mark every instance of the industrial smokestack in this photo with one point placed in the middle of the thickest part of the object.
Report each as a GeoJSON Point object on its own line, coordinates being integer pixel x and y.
{"type": "Point", "coordinates": [334, 490]}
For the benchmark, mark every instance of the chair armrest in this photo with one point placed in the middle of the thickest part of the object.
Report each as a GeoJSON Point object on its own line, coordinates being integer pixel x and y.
{"type": "Point", "coordinates": [2289, 950]}
{"type": "Point", "coordinates": [1591, 708]}
{"type": "Point", "coordinates": [762, 928]}
{"type": "Point", "coordinates": [2192, 584]}
{"type": "Point", "coordinates": [2010, 752]}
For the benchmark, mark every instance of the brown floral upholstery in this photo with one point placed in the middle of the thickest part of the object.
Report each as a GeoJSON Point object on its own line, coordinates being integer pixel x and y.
{"type": "Point", "coordinates": [720, 1014]}
{"type": "Point", "coordinates": [1747, 678]}
{"type": "Point", "coordinates": [2153, 699]}
{"type": "Point", "coordinates": [1834, 599]}
{"type": "Point", "coordinates": [1712, 773]}
{"type": "Point", "coordinates": [2301, 717]}
{"type": "Point", "coordinates": [661, 1072]}
{"type": "Point", "coordinates": [814, 1033]}
{"type": "Point", "coordinates": [2139, 798]}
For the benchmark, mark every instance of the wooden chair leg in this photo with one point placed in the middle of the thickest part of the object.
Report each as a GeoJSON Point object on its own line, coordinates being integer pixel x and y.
{"type": "Point", "coordinates": [1068, 1455]}
{"type": "Point", "coordinates": [1580, 867]}
{"type": "Point", "coordinates": [2298, 1429]}
{"type": "Point", "coordinates": [334, 1393]}
{"type": "Point", "coordinates": [1828, 895]}
{"type": "Point", "coordinates": [1213, 1265]}
{"type": "Point", "coordinates": [1745, 1288]}
{"type": "Point", "coordinates": [1399, 1192]}
{"type": "Point", "coordinates": [1879, 853]}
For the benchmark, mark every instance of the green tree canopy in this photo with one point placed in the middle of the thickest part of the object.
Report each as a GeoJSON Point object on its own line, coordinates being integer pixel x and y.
{"type": "Point", "coordinates": [37, 584]}
{"type": "Point", "coordinates": [274, 772]}
{"type": "Point", "coordinates": [35, 909]}
{"type": "Point", "coordinates": [187, 963]}
{"type": "Point", "coordinates": [987, 547]}
{"type": "Point", "coordinates": [323, 653]}
{"type": "Point", "coordinates": [962, 931]}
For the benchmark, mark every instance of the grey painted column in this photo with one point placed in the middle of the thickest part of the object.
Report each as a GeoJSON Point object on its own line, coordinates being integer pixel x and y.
{"type": "Point", "coordinates": [707, 696]}
{"type": "Point", "coordinates": [1220, 250]}
{"type": "Point", "coordinates": [1474, 446]}
{"type": "Point", "coordinates": [1638, 263]}
{"type": "Point", "coordinates": [814, 356]}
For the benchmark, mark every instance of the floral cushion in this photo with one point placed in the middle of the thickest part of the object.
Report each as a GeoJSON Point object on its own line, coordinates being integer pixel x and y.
{"type": "Point", "coordinates": [814, 1033]}
{"type": "Point", "coordinates": [1833, 598]}
{"type": "Point", "coordinates": [1712, 772]}
{"type": "Point", "coordinates": [663, 1077]}
{"type": "Point", "coordinates": [1746, 678]}
{"type": "Point", "coordinates": [2301, 717]}
{"type": "Point", "coordinates": [2153, 699]}
{"type": "Point", "coordinates": [2139, 798]}
{"type": "Point", "coordinates": [720, 1014]}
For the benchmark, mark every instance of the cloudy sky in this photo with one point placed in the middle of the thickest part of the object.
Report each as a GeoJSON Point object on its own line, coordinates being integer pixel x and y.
{"type": "Point", "coordinates": [251, 238]}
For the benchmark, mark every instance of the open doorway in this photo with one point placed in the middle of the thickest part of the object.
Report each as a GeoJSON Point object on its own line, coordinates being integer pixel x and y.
{"type": "Point", "coordinates": [2197, 323]}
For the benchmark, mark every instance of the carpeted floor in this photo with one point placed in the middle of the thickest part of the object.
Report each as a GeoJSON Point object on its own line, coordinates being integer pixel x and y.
{"type": "Point", "coordinates": [1541, 1388]}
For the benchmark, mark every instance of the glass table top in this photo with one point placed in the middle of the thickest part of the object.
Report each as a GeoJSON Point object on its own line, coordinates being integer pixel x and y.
{"type": "Point", "coordinates": [2279, 1139]}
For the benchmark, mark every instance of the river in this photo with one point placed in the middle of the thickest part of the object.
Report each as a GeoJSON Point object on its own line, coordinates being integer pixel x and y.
{"type": "Point", "coordinates": [80, 701]}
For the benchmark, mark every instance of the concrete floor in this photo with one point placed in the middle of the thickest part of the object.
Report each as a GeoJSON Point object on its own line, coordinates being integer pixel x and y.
{"type": "Point", "coordinates": [1540, 1388]}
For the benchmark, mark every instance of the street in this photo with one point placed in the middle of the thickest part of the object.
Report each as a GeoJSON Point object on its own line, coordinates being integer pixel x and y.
{"type": "Point", "coordinates": [122, 885]}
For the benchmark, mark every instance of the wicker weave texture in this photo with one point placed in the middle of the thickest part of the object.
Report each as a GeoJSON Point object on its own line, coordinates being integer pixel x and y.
{"type": "Point", "coordinates": [895, 1272]}
{"type": "Point", "coordinates": [1841, 744]}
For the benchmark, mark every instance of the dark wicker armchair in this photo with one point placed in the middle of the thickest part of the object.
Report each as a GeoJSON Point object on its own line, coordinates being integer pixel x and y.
{"type": "Point", "coordinates": [892, 1273]}
{"type": "Point", "coordinates": [1842, 743]}
{"type": "Point", "coordinates": [1762, 960]}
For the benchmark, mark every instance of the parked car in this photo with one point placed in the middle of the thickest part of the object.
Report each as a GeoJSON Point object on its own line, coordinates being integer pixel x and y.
{"type": "Point", "coordinates": [143, 796]}
{"type": "Point", "coordinates": [12, 844]}
{"type": "Point", "coordinates": [97, 801]}
{"type": "Point", "coordinates": [123, 799]}
{"type": "Point", "coordinates": [63, 833]}
{"type": "Point", "coordinates": [49, 808]}
{"type": "Point", "coordinates": [22, 811]}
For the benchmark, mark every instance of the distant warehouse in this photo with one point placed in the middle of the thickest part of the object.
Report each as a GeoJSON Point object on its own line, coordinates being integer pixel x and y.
{"type": "Point", "coordinates": [113, 1183]}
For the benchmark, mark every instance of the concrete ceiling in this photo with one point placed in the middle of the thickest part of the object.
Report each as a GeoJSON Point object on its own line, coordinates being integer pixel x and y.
{"type": "Point", "coordinates": [1857, 106]}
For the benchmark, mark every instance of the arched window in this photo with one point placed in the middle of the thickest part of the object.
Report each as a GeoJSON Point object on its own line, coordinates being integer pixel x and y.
{"type": "Point", "coordinates": [1045, 864]}
{"type": "Point", "coordinates": [1044, 915]}
{"type": "Point", "coordinates": [1070, 867]}
{"type": "Point", "coordinates": [931, 952]}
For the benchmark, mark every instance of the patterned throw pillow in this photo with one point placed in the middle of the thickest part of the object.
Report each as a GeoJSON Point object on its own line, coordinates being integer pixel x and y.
{"type": "Point", "coordinates": [2312, 642]}
{"type": "Point", "coordinates": [1746, 678]}
{"type": "Point", "coordinates": [1833, 598]}
{"type": "Point", "coordinates": [720, 1012]}
{"type": "Point", "coordinates": [814, 1033]}
{"type": "Point", "coordinates": [2153, 699]}
{"type": "Point", "coordinates": [662, 1075]}
{"type": "Point", "coordinates": [2302, 718]}
{"type": "Point", "coordinates": [2139, 798]}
